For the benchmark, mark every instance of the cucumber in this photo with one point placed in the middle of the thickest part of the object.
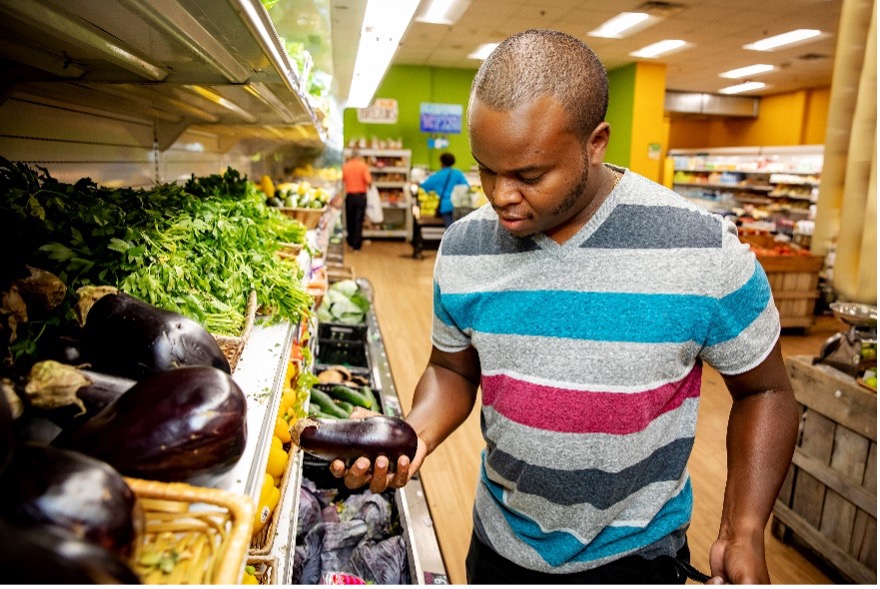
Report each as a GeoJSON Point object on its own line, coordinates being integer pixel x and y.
{"type": "Point", "coordinates": [348, 407]}
{"type": "Point", "coordinates": [368, 393]}
{"type": "Point", "coordinates": [326, 405]}
{"type": "Point", "coordinates": [350, 395]}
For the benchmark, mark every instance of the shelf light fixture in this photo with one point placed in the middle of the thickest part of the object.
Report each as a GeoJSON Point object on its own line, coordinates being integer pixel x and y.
{"type": "Point", "coordinates": [624, 24]}
{"type": "Point", "coordinates": [443, 12]}
{"type": "Point", "coordinates": [483, 51]}
{"type": "Point", "coordinates": [789, 38]}
{"type": "Point", "coordinates": [661, 48]}
{"type": "Point", "coordinates": [215, 98]}
{"type": "Point", "coordinates": [745, 87]}
{"type": "Point", "coordinates": [744, 72]}
{"type": "Point", "coordinates": [385, 22]}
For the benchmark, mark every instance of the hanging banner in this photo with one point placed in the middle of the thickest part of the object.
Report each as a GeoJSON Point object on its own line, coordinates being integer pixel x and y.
{"type": "Point", "coordinates": [440, 118]}
{"type": "Point", "coordinates": [383, 111]}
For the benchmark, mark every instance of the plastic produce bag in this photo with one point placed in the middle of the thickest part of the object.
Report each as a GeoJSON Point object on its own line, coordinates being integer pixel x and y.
{"type": "Point", "coordinates": [374, 206]}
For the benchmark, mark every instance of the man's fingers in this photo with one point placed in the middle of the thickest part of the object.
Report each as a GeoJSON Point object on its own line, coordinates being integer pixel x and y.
{"type": "Point", "coordinates": [402, 475]}
{"type": "Point", "coordinates": [380, 475]}
{"type": "Point", "coordinates": [337, 469]}
{"type": "Point", "coordinates": [359, 473]}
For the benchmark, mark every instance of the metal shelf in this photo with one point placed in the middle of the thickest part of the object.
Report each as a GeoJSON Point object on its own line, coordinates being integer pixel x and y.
{"type": "Point", "coordinates": [207, 65]}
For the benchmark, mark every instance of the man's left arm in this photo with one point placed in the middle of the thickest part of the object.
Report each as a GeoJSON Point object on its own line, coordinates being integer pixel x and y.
{"type": "Point", "coordinates": [761, 435]}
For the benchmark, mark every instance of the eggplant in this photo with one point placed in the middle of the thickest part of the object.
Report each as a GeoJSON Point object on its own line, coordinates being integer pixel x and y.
{"type": "Point", "coordinates": [50, 486]}
{"type": "Point", "coordinates": [128, 337]}
{"type": "Point", "coordinates": [349, 439]}
{"type": "Point", "coordinates": [68, 394]}
{"type": "Point", "coordinates": [48, 555]}
{"type": "Point", "coordinates": [186, 424]}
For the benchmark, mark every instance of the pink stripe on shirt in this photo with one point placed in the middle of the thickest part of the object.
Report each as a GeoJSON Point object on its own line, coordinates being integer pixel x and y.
{"type": "Point", "coordinates": [572, 411]}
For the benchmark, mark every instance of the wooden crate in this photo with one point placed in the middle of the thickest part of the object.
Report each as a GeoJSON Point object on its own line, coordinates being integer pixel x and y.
{"type": "Point", "coordinates": [829, 499]}
{"type": "Point", "coordinates": [794, 282]}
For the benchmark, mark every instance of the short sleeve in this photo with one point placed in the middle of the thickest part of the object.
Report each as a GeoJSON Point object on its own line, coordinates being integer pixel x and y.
{"type": "Point", "coordinates": [744, 324]}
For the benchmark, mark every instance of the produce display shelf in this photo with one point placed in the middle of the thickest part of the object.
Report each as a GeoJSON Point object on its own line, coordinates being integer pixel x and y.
{"type": "Point", "coordinates": [260, 374]}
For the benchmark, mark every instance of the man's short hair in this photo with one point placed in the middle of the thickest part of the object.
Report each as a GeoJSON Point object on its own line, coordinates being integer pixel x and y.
{"type": "Point", "coordinates": [447, 159]}
{"type": "Point", "coordinates": [542, 62]}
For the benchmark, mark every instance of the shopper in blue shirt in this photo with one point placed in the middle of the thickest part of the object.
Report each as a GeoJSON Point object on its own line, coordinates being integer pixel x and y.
{"type": "Point", "coordinates": [443, 182]}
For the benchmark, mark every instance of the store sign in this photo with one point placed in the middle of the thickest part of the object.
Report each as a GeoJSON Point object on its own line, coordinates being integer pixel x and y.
{"type": "Point", "coordinates": [440, 118]}
{"type": "Point", "coordinates": [383, 111]}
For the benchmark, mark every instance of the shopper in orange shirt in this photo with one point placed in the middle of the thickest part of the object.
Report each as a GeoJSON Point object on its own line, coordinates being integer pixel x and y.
{"type": "Point", "coordinates": [357, 178]}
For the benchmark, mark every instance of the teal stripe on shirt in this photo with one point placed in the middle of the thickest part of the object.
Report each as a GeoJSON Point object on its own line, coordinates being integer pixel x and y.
{"type": "Point", "coordinates": [558, 548]}
{"type": "Point", "coordinates": [603, 316]}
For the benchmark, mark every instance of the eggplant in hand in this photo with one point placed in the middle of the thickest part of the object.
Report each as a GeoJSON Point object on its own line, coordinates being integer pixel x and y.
{"type": "Point", "coordinates": [48, 555]}
{"type": "Point", "coordinates": [69, 395]}
{"type": "Point", "coordinates": [349, 439]}
{"type": "Point", "coordinates": [128, 337]}
{"type": "Point", "coordinates": [46, 485]}
{"type": "Point", "coordinates": [186, 424]}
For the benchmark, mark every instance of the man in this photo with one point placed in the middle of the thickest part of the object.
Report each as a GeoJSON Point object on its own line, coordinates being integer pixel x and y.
{"type": "Point", "coordinates": [356, 178]}
{"type": "Point", "coordinates": [583, 300]}
{"type": "Point", "coordinates": [443, 183]}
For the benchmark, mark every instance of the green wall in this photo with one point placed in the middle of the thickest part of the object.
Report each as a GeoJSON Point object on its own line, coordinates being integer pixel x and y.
{"type": "Point", "coordinates": [411, 86]}
{"type": "Point", "coordinates": [621, 103]}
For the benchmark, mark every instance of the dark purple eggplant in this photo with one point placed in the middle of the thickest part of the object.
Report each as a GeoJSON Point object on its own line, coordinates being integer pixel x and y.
{"type": "Point", "coordinates": [70, 395]}
{"type": "Point", "coordinates": [50, 486]}
{"type": "Point", "coordinates": [48, 555]}
{"type": "Point", "coordinates": [349, 439]}
{"type": "Point", "coordinates": [128, 337]}
{"type": "Point", "coordinates": [186, 424]}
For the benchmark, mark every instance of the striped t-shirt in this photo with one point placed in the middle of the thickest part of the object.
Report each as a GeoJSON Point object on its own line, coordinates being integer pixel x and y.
{"type": "Point", "coordinates": [591, 354]}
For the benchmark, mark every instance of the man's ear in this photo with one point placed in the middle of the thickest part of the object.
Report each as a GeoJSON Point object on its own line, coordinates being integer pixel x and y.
{"type": "Point", "coordinates": [598, 143]}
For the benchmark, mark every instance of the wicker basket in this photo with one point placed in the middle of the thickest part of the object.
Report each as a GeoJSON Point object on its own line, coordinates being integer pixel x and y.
{"type": "Point", "coordinates": [266, 569]}
{"type": "Point", "coordinates": [206, 531]}
{"type": "Point", "coordinates": [308, 217]}
{"type": "Point", "coordinates": [262, 543]}
{"type": "Point", "coordinates": [290, 250]}
{"type": "Point", "coordinates": [233, 346]}
{"type": "Point", "coordinates": [338, 273]}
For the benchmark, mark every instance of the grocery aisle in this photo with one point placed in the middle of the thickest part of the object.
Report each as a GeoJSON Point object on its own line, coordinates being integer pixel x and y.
{"type": "Point", "coordinates": [402, 288]}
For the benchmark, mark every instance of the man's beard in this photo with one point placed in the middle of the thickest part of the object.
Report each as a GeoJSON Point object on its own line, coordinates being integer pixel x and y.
{"type": "Point", "coordinates": [571, 199]}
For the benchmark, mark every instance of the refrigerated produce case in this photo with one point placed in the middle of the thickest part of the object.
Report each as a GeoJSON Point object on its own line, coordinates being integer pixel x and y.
{"type": "Point", "coordinates": [132, 93]}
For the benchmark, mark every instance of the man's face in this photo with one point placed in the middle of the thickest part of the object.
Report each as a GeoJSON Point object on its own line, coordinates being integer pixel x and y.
{"type": "Point", "coordinates": [534, 170]}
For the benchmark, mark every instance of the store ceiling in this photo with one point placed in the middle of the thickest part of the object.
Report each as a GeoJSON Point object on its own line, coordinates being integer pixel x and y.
{"type": "Point", "coordinates": [717, 28]}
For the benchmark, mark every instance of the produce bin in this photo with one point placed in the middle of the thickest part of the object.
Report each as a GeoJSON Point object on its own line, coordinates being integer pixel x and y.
{"type": "Point", "coordinates": [794, 281]}
{"type": "Point", "coordinates": [308, 217]}
{"type": "Point", "coordinates": [210, 525]}
{"type": "Point", "coordinates": [341, 331]}
{"type": "Point", "coordinates": [829, 499]}
{"type": "Point", "coordinates": [233, 346]}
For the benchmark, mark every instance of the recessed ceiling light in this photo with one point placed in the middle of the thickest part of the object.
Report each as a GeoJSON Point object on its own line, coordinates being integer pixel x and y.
{"type": "Point", "coordinates": [796, 36]}
{"type": "Point", "coordinates": [660, 48]}
{"type": "Point", "coordinates": [743, 87]}
{"type": "Point", "coordinates": [743, 72]}
{"type": "Point", "coordinates": [483, 51]}
{"type": "Point", "coordinates": [625, 22]}
{"type": "Point", "coordinates": [443, 12]}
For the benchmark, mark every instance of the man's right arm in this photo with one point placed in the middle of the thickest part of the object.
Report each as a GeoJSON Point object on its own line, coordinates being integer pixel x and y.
{"type": "Point", "coordinates": [444, 397]}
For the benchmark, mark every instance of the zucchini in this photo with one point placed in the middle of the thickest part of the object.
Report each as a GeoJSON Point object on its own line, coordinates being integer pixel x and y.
{"type": "Point", "coordinates": [326, 405]}
{"type": "Point", "coordinates": [350, 395]}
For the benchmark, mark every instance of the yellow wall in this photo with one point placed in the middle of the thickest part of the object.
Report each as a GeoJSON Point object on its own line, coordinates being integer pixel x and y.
{"type": "Point", "coordinates": [793, 118]}
{"type": "Point", "coordinates": [649, 125]}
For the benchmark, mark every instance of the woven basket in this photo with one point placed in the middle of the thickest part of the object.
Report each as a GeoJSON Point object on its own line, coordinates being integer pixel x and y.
{"type": "Point", "coordinates": [233, 346]}
{"type": "Point", "coordinates": [308, 217]}
{"type": "Point", "coordinates": [208, 530]}
{"type": "Point", "coordinates": [262, 542]}
{"type": "Point", "coordinates": [266, 569]}
{"type": "Point", "coordinates": [338, 273]}
{"type": "Point", "coordinates": [290, 250]}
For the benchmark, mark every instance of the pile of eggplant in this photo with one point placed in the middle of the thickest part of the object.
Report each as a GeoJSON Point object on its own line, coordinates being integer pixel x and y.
{"type": "Point", "coordinates": [139, 392]}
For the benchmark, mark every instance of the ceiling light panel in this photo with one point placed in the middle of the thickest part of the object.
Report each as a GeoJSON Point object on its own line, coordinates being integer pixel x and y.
{"type": "Point", "coordinates": [624, 24]}
{"type": "Point", "coordinates": [661, 48]}
{"type": "Point", "coordinates": [789, 38]}
{"type": "Point", "coordinates": [744, 72]}
{"type": "Point", "coordinates": [483, 51]}
{"type": "Point", "coordinates": [443, 12]}
{"type": "Point", "coordinates": [746, 87]}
